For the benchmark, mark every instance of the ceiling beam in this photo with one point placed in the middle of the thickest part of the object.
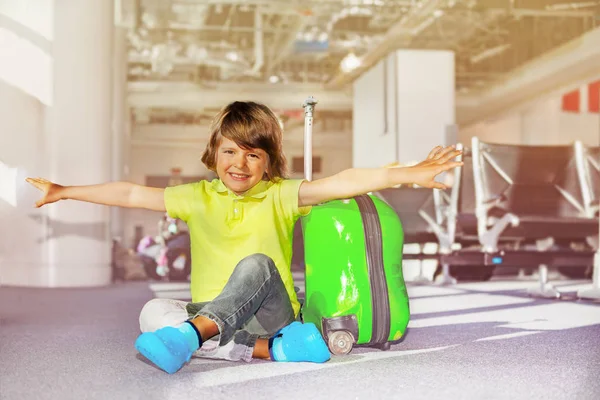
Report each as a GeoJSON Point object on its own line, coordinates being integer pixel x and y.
{"type": "Point", "coordinates": [533, 12]}
{"type": "Point", "coordinates": [179, 26]}
{"type": "Point", "coordinates": [185, 95]}
{"type": "Point", "coordinates": [399, 35]}
{"type": "Point", "coordinates": [286, 48]}
{"type": "Point", "coordinates": [571, 62]}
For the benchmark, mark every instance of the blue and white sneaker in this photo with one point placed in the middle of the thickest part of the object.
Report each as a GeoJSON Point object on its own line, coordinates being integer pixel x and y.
{"type": "Point", "coordinates": [168, 348]}
{"type": "Point", "coordinates": [299, 342]}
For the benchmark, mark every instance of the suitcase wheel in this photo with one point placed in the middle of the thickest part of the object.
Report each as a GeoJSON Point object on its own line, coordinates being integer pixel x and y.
{"type": "Point", "coordinates": [340, 342]}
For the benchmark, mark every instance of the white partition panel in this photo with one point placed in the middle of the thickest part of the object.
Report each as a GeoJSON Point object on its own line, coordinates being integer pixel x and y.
{"type": "Point", "coordinates": [403, 107]}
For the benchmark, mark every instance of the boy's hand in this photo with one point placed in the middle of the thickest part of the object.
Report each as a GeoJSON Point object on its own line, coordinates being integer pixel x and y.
{"type": "Point", "coordinates": [439, 160]}
{"type": "Point", "coordinates": [51, 191]}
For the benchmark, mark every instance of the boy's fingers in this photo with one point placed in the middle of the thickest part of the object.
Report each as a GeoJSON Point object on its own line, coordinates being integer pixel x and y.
{"type": "Point", "coordinates": [449, 156]}
{"type": "Point", "coordinates": [445, 152]}
{"type": "Point", "coordinates": [37, 182]}
{"type": "Point", "coordinates": [453, 164]}
{"type": "Point", "coordinates": [433, 152]}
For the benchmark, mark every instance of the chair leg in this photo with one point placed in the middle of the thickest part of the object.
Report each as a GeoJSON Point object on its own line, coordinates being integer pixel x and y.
{"type": "Point", "coordinates": [545, 289]}
{"type": "Point", "coordinates": [446, 278]}
{"type": "Point", "coordinates": [421, 278]}
{"type": "Point", "coordinates": [594, 292]}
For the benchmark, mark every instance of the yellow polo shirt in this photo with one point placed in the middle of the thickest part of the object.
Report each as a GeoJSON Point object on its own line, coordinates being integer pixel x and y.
{"type": "Point", "coordinates": [225, 228]}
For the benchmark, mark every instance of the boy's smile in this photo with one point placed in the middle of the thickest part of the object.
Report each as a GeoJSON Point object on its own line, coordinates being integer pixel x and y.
{"type": "Point", "coordinates": [240, 169]}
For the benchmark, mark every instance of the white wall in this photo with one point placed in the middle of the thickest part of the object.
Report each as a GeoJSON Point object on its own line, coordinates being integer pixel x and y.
{"type": "Point", "coordinates": [572, 62]}
{"type": "Point", "coordinates": [503, 128]}
{"type": "Point", "coordinates": [540, 121]}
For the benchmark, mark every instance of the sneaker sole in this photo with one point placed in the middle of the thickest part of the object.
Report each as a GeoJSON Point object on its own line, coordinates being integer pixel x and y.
{"type": "Point", "coordinates": [151, 347]}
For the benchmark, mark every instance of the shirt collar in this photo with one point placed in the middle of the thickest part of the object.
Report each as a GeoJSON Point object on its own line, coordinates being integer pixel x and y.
{"type": "Point", "coordinates": [259, 190]}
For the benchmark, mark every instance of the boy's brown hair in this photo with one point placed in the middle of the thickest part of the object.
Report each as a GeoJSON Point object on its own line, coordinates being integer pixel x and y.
{"type": "Point", "coordinates": [251, 126]}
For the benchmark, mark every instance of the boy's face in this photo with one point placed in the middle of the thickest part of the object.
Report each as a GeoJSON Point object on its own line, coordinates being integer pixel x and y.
{"type": "Point", "coordinates": [240, 169]}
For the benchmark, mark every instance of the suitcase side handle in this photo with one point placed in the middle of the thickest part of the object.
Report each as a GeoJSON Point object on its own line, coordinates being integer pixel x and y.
{"type": "Point", "coordinates": [309, 107]}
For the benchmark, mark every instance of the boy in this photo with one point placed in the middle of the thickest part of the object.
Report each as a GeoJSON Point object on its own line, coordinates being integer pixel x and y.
{"type": "Point", "coordinates": [241, 226]}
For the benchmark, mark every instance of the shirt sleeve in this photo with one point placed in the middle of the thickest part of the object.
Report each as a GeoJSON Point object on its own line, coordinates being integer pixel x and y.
{"type": "Point", "coordinates": [179, 200]}
{"type": "Point", "coordinates": [289, 191]}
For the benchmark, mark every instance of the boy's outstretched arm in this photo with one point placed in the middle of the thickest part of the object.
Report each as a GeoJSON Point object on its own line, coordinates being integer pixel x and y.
{"type": "Point", "coordinates": [119, 194]}
{"type": "Point", "coordinates": [352, 182]}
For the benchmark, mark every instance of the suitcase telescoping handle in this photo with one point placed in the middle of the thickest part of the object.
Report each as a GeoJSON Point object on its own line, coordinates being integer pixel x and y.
{"type": "Point", "coordinates": [309, 108]}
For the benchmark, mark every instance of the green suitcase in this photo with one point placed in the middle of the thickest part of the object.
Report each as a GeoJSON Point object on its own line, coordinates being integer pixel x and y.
{"type": "Point", "coordinates": [354, 286]}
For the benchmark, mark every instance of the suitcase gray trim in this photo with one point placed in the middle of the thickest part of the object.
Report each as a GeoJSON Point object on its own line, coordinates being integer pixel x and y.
{"type": "Point", "coordinates": [374, 249]}
{"type": "Point", "coordinates": [344, 323]}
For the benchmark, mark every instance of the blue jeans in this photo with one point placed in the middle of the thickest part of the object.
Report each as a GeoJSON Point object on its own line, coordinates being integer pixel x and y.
{"type": "Point", "coordinates": [253, 304]}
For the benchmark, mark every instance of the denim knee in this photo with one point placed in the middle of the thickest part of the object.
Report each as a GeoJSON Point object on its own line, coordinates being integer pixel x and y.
{"type": "Point", "coordinates": [256, 266]}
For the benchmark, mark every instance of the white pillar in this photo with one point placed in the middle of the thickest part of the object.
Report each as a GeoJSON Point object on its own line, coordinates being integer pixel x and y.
{"type": "Point", "coordinates": [403, 107]}
{"type": "Point", "coordinates": [79, 133]}
{"type": "Point", "coordinates": [119, 125]}
{"type": "Point", "coordinates": [425, 101]}
{"type": "Point", "coordinates": [373, 118]}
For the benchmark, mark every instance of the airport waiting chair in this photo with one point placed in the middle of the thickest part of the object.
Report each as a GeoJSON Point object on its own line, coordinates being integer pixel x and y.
{"type": "Point", "coordinates": [590, 169]}
{"type": "Point", "coordinates": [524, 205]}
{"type": "Point", "coordinates": [421, 225]}
{"type": "Point", "coordinates": [428, 216]}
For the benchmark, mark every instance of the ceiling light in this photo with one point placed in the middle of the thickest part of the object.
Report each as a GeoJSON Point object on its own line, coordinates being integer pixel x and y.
{"type": "Point", "coordinates": [284, 77]}
{"type": "Point", "coordinates": [196, 53]}
{"type": "Point", "coordinates": [350, 63]}
{"type": "Point", "coordinates": [487, 53]}
{"type": "Point", "coordinates": [149, 20]}
{"type": "Point", "coordinates": [232, 56]}
{"type": "Point", "coordinates": [273, 79]}
{"type": "Point", "coordinates": [308, 36]}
